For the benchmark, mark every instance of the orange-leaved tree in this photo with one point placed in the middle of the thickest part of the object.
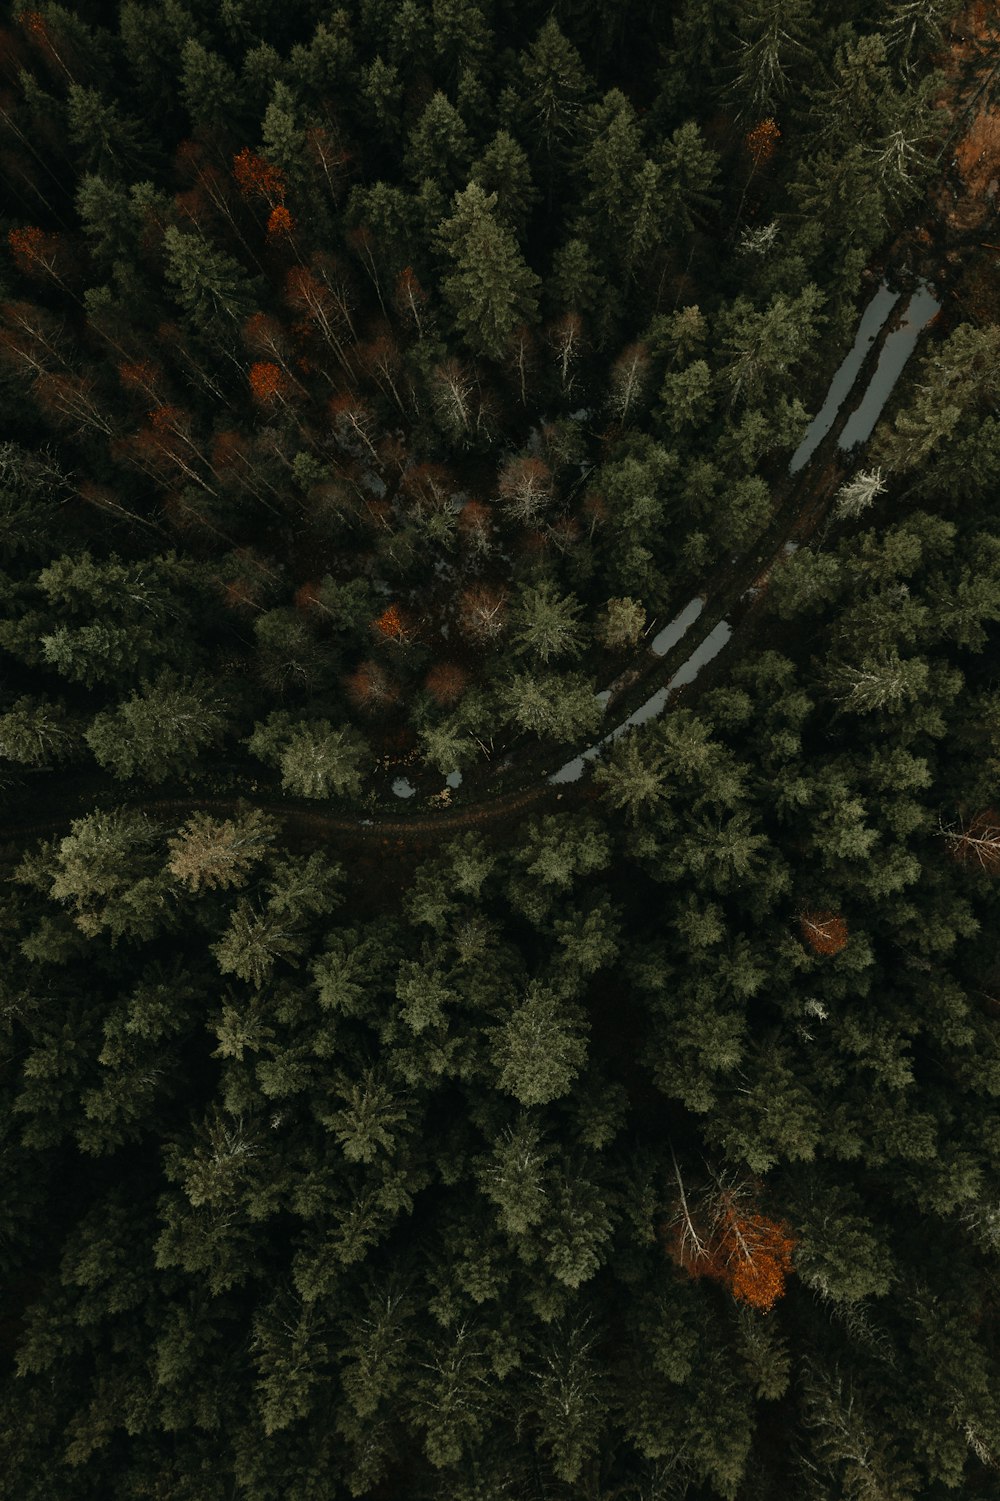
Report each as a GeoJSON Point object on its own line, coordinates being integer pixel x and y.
{"type": "Point", "coordinates": [446, 682]}
{"type": "Point", "coordinates": [36, 252]}
{"type": "Point", "coordinates": [268, 382]}
{"type": "Point", "coordinates": [371, 688]}
{"type": "Point", "coordinates": [719, 1232]}
{"type": "Point", "coordinates": [279, 222]}
{"type": "Point", "coordinates": [824, 932]}
{"type": "Point", "coordinates": [392, 625]}
{"type": "Point", "coordinates": [254, 175]}
{"type": "Point", "coordinates": [761, 142]}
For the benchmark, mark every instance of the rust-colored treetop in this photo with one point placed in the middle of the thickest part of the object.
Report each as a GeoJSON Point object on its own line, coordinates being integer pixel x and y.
{"type": "Point", "coordinates": [761, 142]}
{"type": "Point", "coordinates": [268, 381]}
{"type": "Point", "coordinates": [723, 1237]}
{"type": "Point", "coordinates": [978, 841]}
{"type": "Point", "coordinates": [280, 222]}
{"type": "Point", "coordinates": [391, 624]}
{"type": "Point", "coordinates": [255, 176]}
{"type": "Point", "coordinates": [33, 249]}
{"type": "Point", "coordinates": [758, 1258]}
{"type": "Point", "coordinates": [824, 932]}
{"type": "Point", "coordinates": [446, 682]}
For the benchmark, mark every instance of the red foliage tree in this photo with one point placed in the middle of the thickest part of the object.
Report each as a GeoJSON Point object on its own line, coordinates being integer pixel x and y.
{"type": "Point", "coordinates": [371, 688]}
{"type": "Point", "coordinates": [824, 932]}
{"type": "Point", "coordinates": [40, 34]}
{"type": "Point", "coordinates": [722, 1236]}
{"type": "Point", "coordinates": [393, 625]}
{"type": "Point", "coordinates": [446, 682]}
{"type": "Point", "coordinates": [269, 383]}
{"type": "Point", "coordinates": [280, 223]}
{"type": "Point", "coordinates": [141, 377]}
{"type": "Point", "coordinates": [761, 142]}
{"type": "Point", "coordinates": [36, 252]}
{"type": "Point", "coordinates": [257, 177]}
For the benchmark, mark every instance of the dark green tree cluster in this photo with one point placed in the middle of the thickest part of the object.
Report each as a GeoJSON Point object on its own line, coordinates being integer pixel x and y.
{"type": "Point", "coordinates": [440, 313]}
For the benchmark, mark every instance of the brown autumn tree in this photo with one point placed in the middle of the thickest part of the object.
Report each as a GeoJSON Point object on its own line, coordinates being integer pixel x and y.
{"type": "Point", "coordinates": [393, 624]}
{"type": "Point", "coordinates": [629, 381]}
{"type": "Point", "coordinates": [270, 385]}
{"type": "Point", "coordinates": [720, 1233]}
{"type": "Point", "coordinates": [380, 360]}
{"type": "Point", "coordinates": [265, 335]}
{"type": "Point", "coordinates": [824, 932]}
{"type": "Point", "coordinates": [246, 581]}
{"type": "Point", "coordinates": [453, 392]}
{"type": "Point", "coordinates": [31, 340]}
{"type": "Point", "coordinates": [410, 299]}
{"type": "Point", "coordinates": [256, 177]}
{"type": "Point", "coordinates": [566, 340]}
{"type": "Point", "coordinates": [526, 489]}
{"type": "Point", "coordinates": [482, 612]}
{"type": "Point", "coordinates": [762, 141]}
{"type": "Point", "coordinates": [977, 842]}
{"type": "Point", "coordinates": [280, 224]}
{"type": "Point", "coordinates": [321, 298]}
{"type": "Point", "coordinates": [371, 688]}
{"type": "Point", "coordinates": [143, 379]}
{"type": "Point", "coordinates": [475, 527]}
{"type": "Point", "coordinates": [428, 488]}
{"type": "Point", "coordinates": [38, 253]}
{"type": "Point", "coordinates": [446, 682]}
{"type": "Point", "coordinates": [353, 423]}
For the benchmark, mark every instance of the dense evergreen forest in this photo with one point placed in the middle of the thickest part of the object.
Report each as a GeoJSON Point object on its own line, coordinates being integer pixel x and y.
{"type": "Point", "coordinates": [379, 1119]}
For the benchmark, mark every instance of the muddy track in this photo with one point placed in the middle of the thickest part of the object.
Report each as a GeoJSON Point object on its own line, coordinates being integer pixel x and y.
{"type": "Point", "coordinates": [801, 503]}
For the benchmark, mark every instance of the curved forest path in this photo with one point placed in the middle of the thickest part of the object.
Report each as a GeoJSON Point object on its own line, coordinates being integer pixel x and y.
{"type": "Point", "coordinates": [934, 247]}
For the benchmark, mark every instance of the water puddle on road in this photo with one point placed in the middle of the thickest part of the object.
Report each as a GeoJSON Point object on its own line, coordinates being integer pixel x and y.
{"type": "Point", "coordinates": [672, 633]}
{"type": "Point", "coordinates": [704, 652]}
{"type": "Point", "coordinates": [895, 352]}
{"type": "Point", "coordinates": [872, 320]}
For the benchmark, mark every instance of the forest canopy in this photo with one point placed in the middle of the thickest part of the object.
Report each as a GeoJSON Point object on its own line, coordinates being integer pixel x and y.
{"type": "Point", "coordinates": [500, 983]}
